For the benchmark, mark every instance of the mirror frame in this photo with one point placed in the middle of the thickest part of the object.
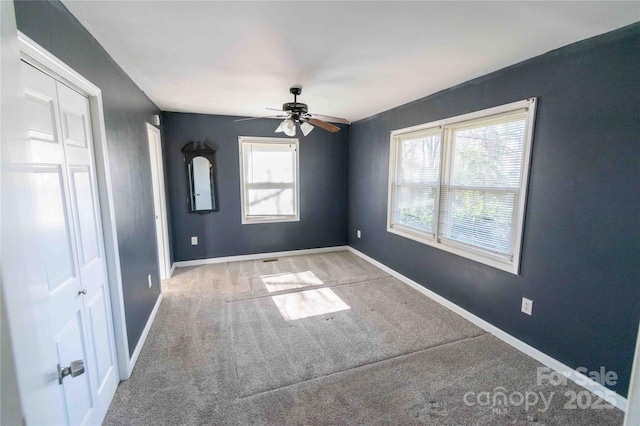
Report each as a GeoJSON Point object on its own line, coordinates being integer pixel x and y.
{"type": "Point", "coordinates": [201, 149]}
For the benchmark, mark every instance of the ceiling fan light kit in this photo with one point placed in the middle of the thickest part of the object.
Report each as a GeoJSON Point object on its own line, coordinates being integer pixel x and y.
{"type": "Point", "coordinates": [306, 128]}
{"type": "Point", "coordinates": [298, 112]}
{"type": "Point", "coordinates": [288, 127]}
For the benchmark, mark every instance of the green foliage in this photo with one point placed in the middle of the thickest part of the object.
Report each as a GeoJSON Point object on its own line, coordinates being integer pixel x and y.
{"type": "Point", "coordinates": [478, 217]}
{"type": "Point", "coordinates": [420, 217]}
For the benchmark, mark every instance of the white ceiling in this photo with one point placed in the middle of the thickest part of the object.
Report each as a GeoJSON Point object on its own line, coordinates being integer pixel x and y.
{"type": "Point", "coordinates": [353, 59]}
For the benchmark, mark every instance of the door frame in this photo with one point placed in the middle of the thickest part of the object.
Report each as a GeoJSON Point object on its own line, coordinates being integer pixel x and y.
{"type": "Point", "coordinates": [157, 172]}
{"type": "Point", "coordinates": [34, 54]}
{"type": "Point", "coordinates": [12, 401]}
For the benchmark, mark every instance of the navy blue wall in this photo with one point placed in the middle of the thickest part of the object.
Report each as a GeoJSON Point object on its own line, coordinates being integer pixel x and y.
{"type": "Point", "coordinates": [581, 246]}
{"type": "Point", "coordinates": [126, 111]}
{"type": "Point", "coordinates": [323, 190]}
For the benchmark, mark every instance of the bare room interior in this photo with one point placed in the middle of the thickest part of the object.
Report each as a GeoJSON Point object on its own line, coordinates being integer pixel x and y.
{"type": "Point", "coordinates": [320, 213]}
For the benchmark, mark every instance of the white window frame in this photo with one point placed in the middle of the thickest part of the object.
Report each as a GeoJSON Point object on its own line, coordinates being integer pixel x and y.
{"type": "Point", "coordinates": [511, 265]}
{"type": "Point", "coordinates": [243, 188]}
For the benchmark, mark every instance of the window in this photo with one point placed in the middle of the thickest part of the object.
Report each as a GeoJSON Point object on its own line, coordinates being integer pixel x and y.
{"type": "Point", "coordinates": [459, 184]}
{"type": "Point", "coordinates": [269, 180]}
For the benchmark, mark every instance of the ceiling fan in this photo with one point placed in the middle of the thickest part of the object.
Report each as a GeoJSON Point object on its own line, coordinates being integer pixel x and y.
{"type": "Point", "coordinates": [297, 112]}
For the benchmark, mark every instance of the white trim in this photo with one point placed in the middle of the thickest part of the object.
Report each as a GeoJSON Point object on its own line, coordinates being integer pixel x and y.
{"type": "Point", "coordinates": [37, 55]}
{"type": "Point", "coordinates": [258, 256]}
{"type": "Point", "coordinates": [248, 220]}
{"type": "Point", "coordinates": [145, 333]}
{"type": "Point", "coordinates": [469, 253]}
{"type": "Point", "coordinates": [251, 220]}
{"type": "Point", "coordinates": [172, 270]}
{"type": "Point", "coordinates": [633, 412]}
{"type": "Point", "coordinates": [162, 263]}
{"type": "Point", "coordinates": [52, 65]}
{"type": "Point", "coordinates": [19, 402]}
{"type": "Point", "coordinates": [466, 117]}
{"type": "Point", "coordinates": [509, 264]}
{"type": "Point", "coordinates": [580, 379]}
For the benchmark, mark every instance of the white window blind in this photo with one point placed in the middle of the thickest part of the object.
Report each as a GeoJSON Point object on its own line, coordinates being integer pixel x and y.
{"type": "Point", "coordinates": [480, 188]}
{"type": "Point", "coordinates": [459, 184]}
{"type": "Point", "coordinates": [416, 183]}
{"type": "Point", "coordinates": [269, 179]}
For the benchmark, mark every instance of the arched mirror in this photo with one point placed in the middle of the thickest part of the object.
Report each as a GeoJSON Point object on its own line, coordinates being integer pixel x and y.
{"type": "Point", "coordinates": [199, 160]}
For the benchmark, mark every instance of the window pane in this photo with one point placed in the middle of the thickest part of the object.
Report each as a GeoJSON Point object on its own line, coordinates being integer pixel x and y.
{"type": "Point", "coordinates": [420, 160]}
{"type": "Point", "coordinates": [271, 202]}
{"type": "Point", "coordinates": [488, 155]}
{"type": "Point", "coordinates": [270, 166]}
{"type": "Point", "coordinates": [415, 208]}
{"type": "Point", "coordinates": [417, 175]}
{"type": "Point", "coordinates": [479, 218]}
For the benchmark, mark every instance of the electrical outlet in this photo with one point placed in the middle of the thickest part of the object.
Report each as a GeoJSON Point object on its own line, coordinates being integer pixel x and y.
{"type": "Point", "coordinates": [359, 234]}
{"type": "Point", "coordinates": [194, 241]}
{"type": "Point", "coordinates": [149, 280]}
{"type": "Point", "coordinates": [527, 306]}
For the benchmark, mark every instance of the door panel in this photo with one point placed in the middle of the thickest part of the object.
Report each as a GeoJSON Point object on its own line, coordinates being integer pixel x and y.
{"type": "Point", "coordinates": [73, 129]}
{"type": "Point", "coordinates": [52, 224]}
{"type": "Point", "coordinates": [84, 202]}
{"type": "Point", "coordinates": [41, 117]}
{"type": "Point", "coordinates": [97, 315]}
{"type": "Point", "coordinates": [70, 346]}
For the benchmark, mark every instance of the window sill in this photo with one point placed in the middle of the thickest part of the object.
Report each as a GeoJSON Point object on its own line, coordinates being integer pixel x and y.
{"type": "Point", "coordinates": [494, 262]}
{"type": "Point", "coordinates": [269, 219]}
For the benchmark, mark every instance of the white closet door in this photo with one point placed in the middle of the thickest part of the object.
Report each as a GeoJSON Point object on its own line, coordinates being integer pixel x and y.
{"type": "Point", "coordinates": [68, 233]}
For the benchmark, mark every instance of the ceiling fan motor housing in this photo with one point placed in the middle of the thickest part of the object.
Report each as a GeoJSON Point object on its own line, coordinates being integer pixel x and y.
{"type": "Point", "coordinates": [295, 107]}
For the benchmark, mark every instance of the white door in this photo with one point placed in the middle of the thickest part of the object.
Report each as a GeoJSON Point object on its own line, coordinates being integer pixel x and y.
{"type": "Point", "coordinates": [159, 203]}
{"type": "Point", "coordinates": [68, 240]}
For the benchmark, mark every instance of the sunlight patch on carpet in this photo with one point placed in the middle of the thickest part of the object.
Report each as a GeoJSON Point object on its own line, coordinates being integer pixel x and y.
{"type": "Point", "coordinates": [288, 281]}
{"type": "Point", "coordinates": [309, 303]}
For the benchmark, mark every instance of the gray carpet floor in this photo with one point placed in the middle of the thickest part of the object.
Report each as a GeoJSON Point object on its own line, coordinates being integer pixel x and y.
{"type": "Point", "coordinates": [329, 339]}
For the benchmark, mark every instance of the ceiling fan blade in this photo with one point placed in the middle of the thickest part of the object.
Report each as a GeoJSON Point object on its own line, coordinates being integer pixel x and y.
{"type": "Point", "coordinates": [330, 118]}
{"type": "Point", "coordinates": [256, 118]}
{"type": "Point", "coordinates": [323, 125]}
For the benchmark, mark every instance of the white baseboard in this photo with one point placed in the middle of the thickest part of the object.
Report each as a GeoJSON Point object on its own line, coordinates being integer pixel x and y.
{"type": "Point", "coordinates": [256, 256]}
{"type": "Point", "coordinates": [172, 270]}
{"type": "Point", "coordinates": [143, 336]}
{"type": "Point", "coordinates": [580, 379]}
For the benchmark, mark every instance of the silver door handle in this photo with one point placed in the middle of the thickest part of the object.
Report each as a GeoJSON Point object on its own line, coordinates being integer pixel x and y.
{"type": "Point", "coordinates": [75, 369]}
{"type": "Point", "coordinates": [83, 291]}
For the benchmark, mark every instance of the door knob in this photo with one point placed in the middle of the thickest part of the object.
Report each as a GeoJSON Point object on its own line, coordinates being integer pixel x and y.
{"type": "Point", "coordinates": [75, 369]}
